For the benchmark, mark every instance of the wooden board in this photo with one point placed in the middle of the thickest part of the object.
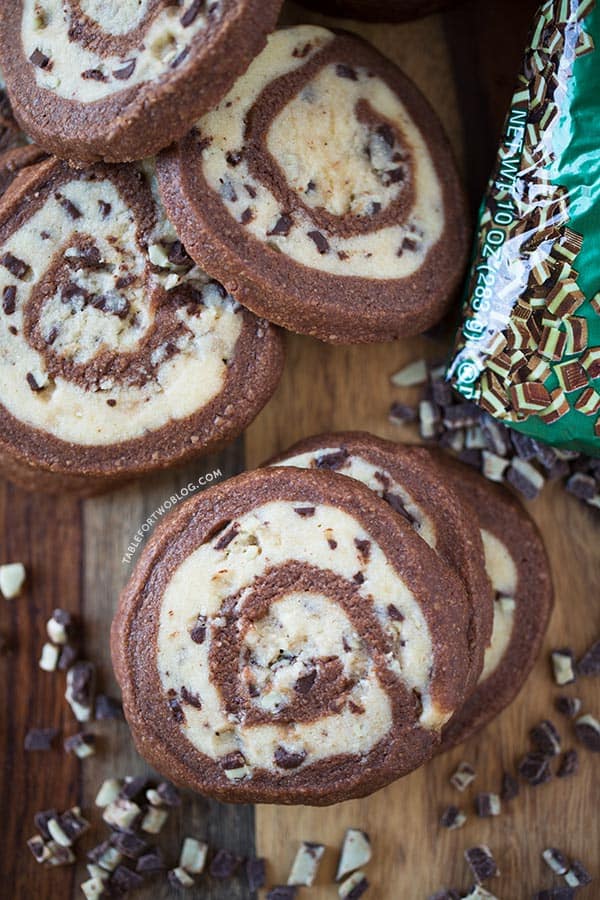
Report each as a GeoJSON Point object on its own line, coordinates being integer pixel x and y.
{"type": "Point", "coordinates": [465, 61]}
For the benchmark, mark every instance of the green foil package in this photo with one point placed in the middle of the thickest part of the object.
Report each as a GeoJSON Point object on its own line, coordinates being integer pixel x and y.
{"type": "Point", "coordinates": [528, 349]}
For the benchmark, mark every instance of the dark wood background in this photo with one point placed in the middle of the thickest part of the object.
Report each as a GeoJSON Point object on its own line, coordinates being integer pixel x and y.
{"type": "Point", "coordinates": [465, 61]}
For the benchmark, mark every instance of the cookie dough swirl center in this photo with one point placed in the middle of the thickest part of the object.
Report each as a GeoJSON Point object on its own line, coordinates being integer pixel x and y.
{"type": "Point", "coordinates": [338, 154]}
{"type": "Point", "coordinates": [297, 654]}
{"type": "Point", "coordinates": [303, 649]}
{"type": "Point", "coordinates": [91, 299]}
{"type": "Point", "coordinates": [260, 653]}
{"type": "Point", "coordinates": [360, 198]}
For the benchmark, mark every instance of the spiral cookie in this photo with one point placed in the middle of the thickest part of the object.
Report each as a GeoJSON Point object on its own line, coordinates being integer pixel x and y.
{"type": "Point", "coordinates": [323, 193]}
{"type": "Point", "coordinates": [286, 637]}
{"type": "Point", "coordinates": [117, 354]}
{"type": "Point", "coordinates": [118, 81]}
{"type": "Point", "coordinates": [378, 10]}
{"type": "Point", "coordinates": [518, 568]}
{"type": "Point", "coordinates": [414, 489]}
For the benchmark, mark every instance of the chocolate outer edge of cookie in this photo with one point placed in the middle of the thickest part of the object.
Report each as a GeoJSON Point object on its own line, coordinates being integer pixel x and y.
{"type": "Point", "coordinates": [36, 460]}
{"type": "Point", "coordinates": [142, 120]}
{"type": "Point", "coordinates": [134, 637]}
{"type": "Point", "coordinates": [461, 545]}
{"type": "Point", "coordinates": [291, 294]}
{"type": "Point", "coordinates": [378, 10]}
{"type": "Point", "coordinates": [504, 516]}
{"type": "Point", "coordinates": [13, 162]}
{"type": "Point", "coordinates": [11, 135]}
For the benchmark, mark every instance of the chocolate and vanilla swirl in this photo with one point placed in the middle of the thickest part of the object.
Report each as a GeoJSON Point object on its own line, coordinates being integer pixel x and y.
{"type": "Point", "coordinates": [324, 170]}
{"type": "Point", "coordinates": [296, 636]}
{"type": "Point", "coordinates": [117, 353]}
{"type": "Point", "coordinates": [119, 79]}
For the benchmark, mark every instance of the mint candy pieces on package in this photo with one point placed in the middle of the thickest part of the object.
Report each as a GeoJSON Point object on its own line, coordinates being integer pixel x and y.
{"type": "Point", "coordinates": [528, 350]}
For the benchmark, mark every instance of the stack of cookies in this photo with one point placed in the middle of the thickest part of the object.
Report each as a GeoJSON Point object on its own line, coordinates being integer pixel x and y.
{"type": "Point", "coordinates": [313, 630]}
{"type": "Point", "coordinates": [177, 180]}
{"type": "Point", "coordinates": [198, 179]}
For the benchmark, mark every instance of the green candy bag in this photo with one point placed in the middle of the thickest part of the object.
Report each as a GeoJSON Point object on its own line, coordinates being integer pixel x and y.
{"type": "Point", "coordinates": [528, 349]}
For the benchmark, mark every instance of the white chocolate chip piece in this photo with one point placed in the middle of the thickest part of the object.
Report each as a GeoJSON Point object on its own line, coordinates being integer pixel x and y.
{"type": "Point", "coordinates": [193, 856]}
{"type": "Point", "coordinates": [110, 859]}
{"type": "Point", "coordinates": [171, 281]}
{"type": "Point", "coordinates": [96, 871]}
{"type": "Point", "coordinates": [463, 776]}
{"type": "Point", "coordinates": [154, 820]}
{"type": "Point", "coordinates": [411, 375]}
{"type": "Point", "coordinates": [108, 793]}
{"type": "Point", "coordinates": [49, 658]}
{"type": "Point", "coordinates": [92, 888]}
{"type": "Point", "coordinates": [356, 852]}
{"type": "Point", "coordinates": [153, 797]}
{"type": "Point", "coordinates": [181, 878]}
{"type": "Point", "coordinates": [12, 578]}
{"type": "Point", "coordinates": [238, 774]}
{"type": "Point", "coordinates": [493, 466]}
{"type": "Point", "coordinates": [57, 834]}
{"type": "Point", "coordinates": [158, 256]}
{"type": "Point", "coordinates": [121, 813]}
{"type": "Point", "coordinates": [556, 861]}
{"type": "Point", "coordinates": [428, 419]}
{"type": "Point", "coordinates": [306, 864]}
{"type": "Point", "coordinates": [562, 665]}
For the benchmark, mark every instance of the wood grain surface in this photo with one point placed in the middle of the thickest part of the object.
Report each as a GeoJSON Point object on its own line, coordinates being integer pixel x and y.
{"type": "Point", "coordinates": [465, 62]}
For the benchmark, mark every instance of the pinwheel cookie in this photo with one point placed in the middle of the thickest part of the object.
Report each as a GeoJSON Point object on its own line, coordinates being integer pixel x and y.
{"type": "Point", "coordinates": [322, 192]}
{"type": "Point", "coordinates": [287, 637]}
{"type": "Point", "coordinates": [117, 354]}
{"type": "Point", "coordinates": [118, 81]}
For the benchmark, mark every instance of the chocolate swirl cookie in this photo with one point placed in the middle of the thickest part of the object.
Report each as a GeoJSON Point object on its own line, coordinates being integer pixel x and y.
{"type": "Point", "coordinates": [117, 81]}
{"type": "Point", "coordinates": [412, 486]}
{"type": "Point", "coordinates": [323, 193]}
{"type": "Point", "coordinates": [520, 574]}
{"type": "Point", "coordinates": [287, 637]}
{"type": "Point", "coordinates": [378, 10]}
{"type": "Point", "coordinates": [118, 355]}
